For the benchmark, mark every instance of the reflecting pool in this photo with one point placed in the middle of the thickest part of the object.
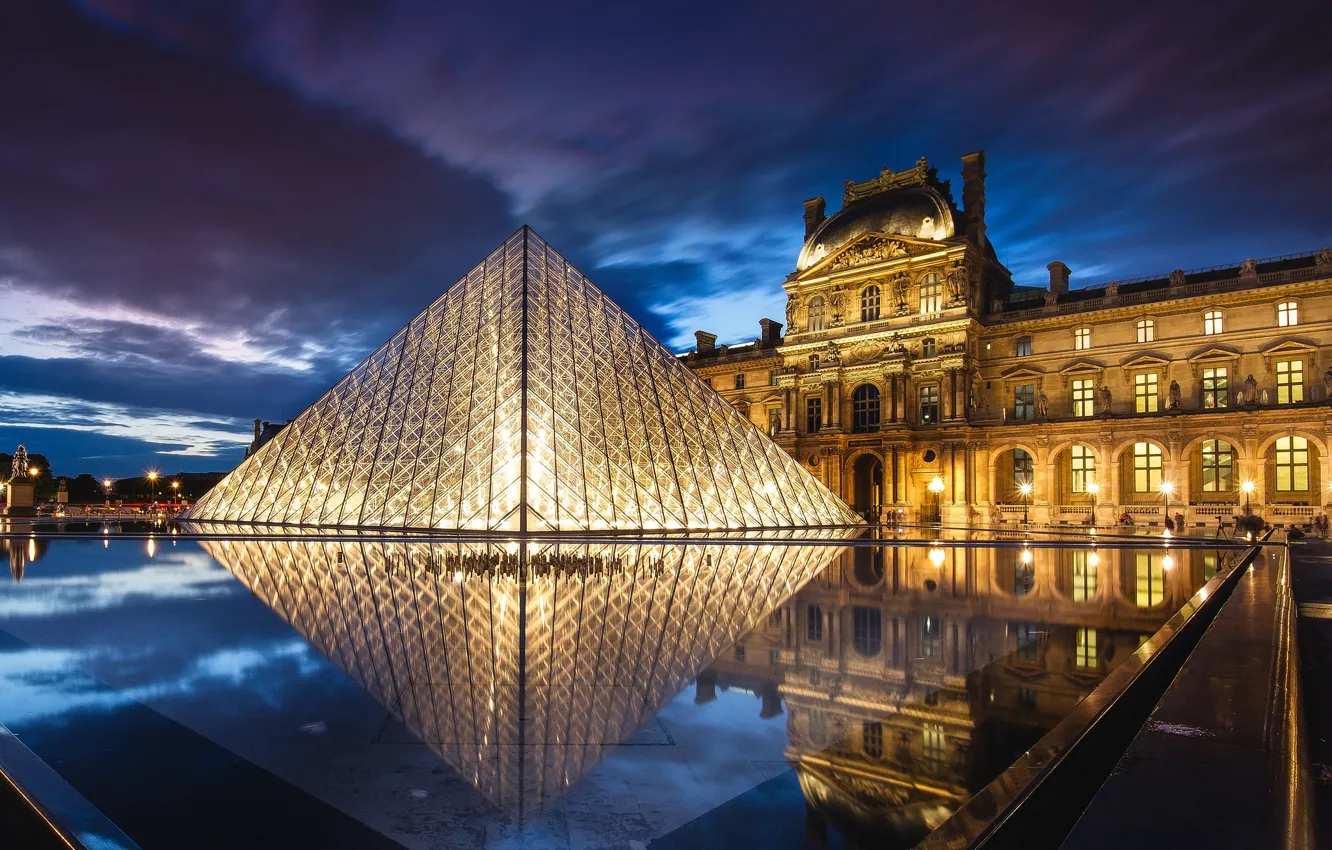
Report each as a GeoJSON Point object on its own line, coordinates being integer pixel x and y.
{"type": "Point", "coordinates": [354, 692]}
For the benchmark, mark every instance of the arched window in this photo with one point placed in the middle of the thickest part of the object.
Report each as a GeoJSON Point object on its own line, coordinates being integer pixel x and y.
{"type": "Point", "coordinates": [818, 309]}
{"type": "Point", "coordinates": [1146, 467]}
{"type": "Point", "coordinates": [1146, 330]}
{"type": "Point", "coordinates": [869, 304]}
{"type": "Point", "coordinates": [931, 294]}
{"type": "Point", "coordinates": [1082, 467]}
{"type": "Point", "coordinates": [867, 634]}
{"type": "Point", "coordinates": [1023, 468]}
{"type": "Point", "coordinates": [1218, 466]}
{"type": "Point", "coordinates": [1292, 464]}
{"type": "Point", "coordinates": [865, 409]}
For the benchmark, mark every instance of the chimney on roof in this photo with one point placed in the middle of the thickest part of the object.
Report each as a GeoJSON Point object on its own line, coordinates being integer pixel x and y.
{"type": "Point", "coordinates": [705, 342]}
{"type": "Point", "coordinates": [1058, 278]}
{"type": "Point", "coordinates": [973, 197]}
{"type": "Point", "coordinates": [771, 334]}
{"type": "Point", "coordinates": [814, 214]}
{"type": "Point", "coordinates": [256, 430]}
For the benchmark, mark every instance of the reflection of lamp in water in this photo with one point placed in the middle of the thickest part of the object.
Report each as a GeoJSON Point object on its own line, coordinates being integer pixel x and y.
{"type": "Point", "coordinates": [1167, 562]}
{"type": "Point", "coordinates": [1093, 559]}
{"type": "Point", "coordinates": [1025, 490]}
{"type": "Point", "coordinates": [1026, 555]}
{"type": "Point", "coordinates": [152, 547]}
{"type": "Point", "coordinates": [1247, 487]}
{"type": "Point", "coordinates": [936, 555]}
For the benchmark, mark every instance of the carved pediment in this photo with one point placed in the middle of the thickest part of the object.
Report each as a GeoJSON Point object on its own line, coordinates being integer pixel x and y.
{"type": "Point", "coordinates": [1022, 373]}
{"type": "Point", "coordinates": [1213, 354]}
{"type": "Point", "coordinates": [1288, 347]}
{"type": "Point", "coordinates": [1081, 367]}
{"type": "Point", "coordinates": [1145, 362]}
{"type": "Point", "coordinates": [876, 249]}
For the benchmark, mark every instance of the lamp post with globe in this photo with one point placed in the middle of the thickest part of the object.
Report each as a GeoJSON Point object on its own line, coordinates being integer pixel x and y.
{"type": "Point", "coordinates": [152, 478]}
{"type": "Point", "coordinates": [1247, 487]}
{"type": "Point", "coordinates": [1025, 489]}
{"type": "Point", "coordinates": [1167, 488]}
{"type": "Point", "coordinates": [1093, 487]}
{"type": "Point", "coordinates": [936, 487]}
{"type": "Point", "coordinates": [106, 491]}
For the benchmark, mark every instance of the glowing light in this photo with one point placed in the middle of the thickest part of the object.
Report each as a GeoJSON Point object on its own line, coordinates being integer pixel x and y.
{"type": "Point", "coordinates": [1248, 486]}
{"type": "Point", "coordinates": [106, 482]}
{"type": "Point", "coordinates": [1093, 559]}
{"type": "Point", "coordinates": [152, 475]}
{"type": "Point", "coordinates": [1025, 489]}
{"type": "Point", "coordinates": [936, 484]}
{"type": "Point", "coordinates": [152, 547]}
{"type": "Point", "coordinates": [1093, 487]}
{"type": "Point", "coordinates": [1167, 487]}
{"type": "Point", "coordinates": [936, 556]}
{"type": "Point", "coordinates": [1167, 562]}
{"type": "Point", "coordinates": [1026, 556]}
{"type": "Point", "coordinates": [32, 470]}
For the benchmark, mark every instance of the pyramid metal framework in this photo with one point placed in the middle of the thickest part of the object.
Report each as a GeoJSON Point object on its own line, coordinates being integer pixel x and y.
{"type": "Point", "coordinates": [523, 400]}
{"type": "Point", "coordinates": [521, 666]}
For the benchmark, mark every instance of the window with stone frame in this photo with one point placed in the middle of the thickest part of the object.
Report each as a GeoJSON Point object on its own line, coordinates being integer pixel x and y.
{"type": "Point", "coordinates": [865, 409]}
{"type": "Point", "coordinates": [814, 622]}
{"type": "Point", "coordinates": [1082, 467]}
{"type": "Point", "coordinates": [739, 380]}
{"type": "Point", "coordinates": [1147, 467]}
{"type": "Point", "coordinates": [927, 347]}
{"type": "Point", "coordinates": [1146, 330]}
{"type": "Point", "coordinates": [1288, 314]}
{"type": "Point", "coordinates": [1290, 381]}
{"type": "Point", "coordinates": [1024, 401]}
{"type": "Point", "coordinates": [1023, 348]}
{"type": "Point", "coordinates": [870, 298]}
{"type": "Point", "coordinates": [1146, 393]}
{"type": "Point", "coordinates": [1213, 322]}
{"type": "Point", "coordinates": [817, 314]}
{"type": "Point", "coordinates": [1218, 466]}
{"type": "Point", "coordinates": [1082, 339]}
{"type": "Point", "coordinates": [813, 414]}
{"type": "Point", "coordinates": [1292, 464]}
{"type": "Point", "coordinates": [931, 635]}
{"type": "Point", "coordinates": [867, 630]}
{"type": "Point", "coordinates": [1084, 649]}
{"type": "Point", "coordinates": [929, 404]}
{"type": "Point", "coordinates": [1149, 578]}
{"type": "Point", "coordinates": [1083, 391]}
{"type": "Point", "coordinates": [813, 362]}
{"type": "Point", "coordinates": [871, 739]}
{"type": "Point", "coordinates": [1085, 569]}
{"type": "Point", "coordinates": [1215, 387]}
{"type": "Point", "coordinates": [931, 294]}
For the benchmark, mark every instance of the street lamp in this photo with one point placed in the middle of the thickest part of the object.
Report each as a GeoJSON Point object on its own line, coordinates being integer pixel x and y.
{"type": "Point", "coordinates": [106, 491]}
{"type": "Point", "coordinates": [175, 491]}
{"type": "Point", "coordinates": [1166, 489]}
{"type": "Point", "coordinates": [936, 487]}
{"type": "Point", "coordinates": [1093, 488]}
{"type": "Point", "coordinates": [152, 477]}
{"type": "Point", "coordinates": [1025, 490]}
{"type": "Point", "coordinates": [1247, 487]}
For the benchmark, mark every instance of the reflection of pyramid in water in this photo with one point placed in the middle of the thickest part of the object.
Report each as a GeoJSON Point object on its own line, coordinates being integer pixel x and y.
{"type": "Point", "coordinates": [523, 384]}
{"type": "Point", "coordinates": [521, 667]}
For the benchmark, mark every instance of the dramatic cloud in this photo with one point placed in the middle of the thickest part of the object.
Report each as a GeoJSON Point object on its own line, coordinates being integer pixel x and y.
{"type": "Point", "coordinates": [266, 189]}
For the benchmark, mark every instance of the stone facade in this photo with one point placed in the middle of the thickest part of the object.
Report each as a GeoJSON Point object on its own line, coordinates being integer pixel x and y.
{"type": "Point", "coordinates": [917, 381]}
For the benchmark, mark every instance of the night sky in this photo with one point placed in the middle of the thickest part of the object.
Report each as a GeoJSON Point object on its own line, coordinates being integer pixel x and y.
{"type": "Point", "coordinates": [211, 210]}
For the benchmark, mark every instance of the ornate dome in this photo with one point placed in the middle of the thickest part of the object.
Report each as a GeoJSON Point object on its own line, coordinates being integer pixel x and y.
{"type": "Point", "coordinates": [921, 213]}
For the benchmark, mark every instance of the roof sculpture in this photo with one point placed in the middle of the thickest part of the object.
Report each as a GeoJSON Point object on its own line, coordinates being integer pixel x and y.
{"type": "Point", "coordinates": [522, 400]}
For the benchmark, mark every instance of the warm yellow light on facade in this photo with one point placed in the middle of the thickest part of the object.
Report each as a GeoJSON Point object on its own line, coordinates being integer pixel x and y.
{"type": "Point", "coordinates": [1093, 559]}
{"type": "Point", "coordinates": [1093, 487]}
{"type": "Point", "coordinates": [936, 484]}
{"type": "Point", "coordinates": [1025, 489]}
{"type": "Point", "coordinates": [936, 556]}
{"type": "Point", "coordinates": [1167, 487]}
{"type": "Point", "coordinates": [1248, 487]}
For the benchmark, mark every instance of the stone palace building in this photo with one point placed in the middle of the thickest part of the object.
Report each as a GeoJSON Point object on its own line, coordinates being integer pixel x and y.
{"type": "Point", "coordinates": [917, 381]}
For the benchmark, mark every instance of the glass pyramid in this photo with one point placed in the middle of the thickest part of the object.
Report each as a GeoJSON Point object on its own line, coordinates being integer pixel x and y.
{"type": "Point", "coordinates": [522, 400]}
{"type": "Point", "coordinates": [522, 666]}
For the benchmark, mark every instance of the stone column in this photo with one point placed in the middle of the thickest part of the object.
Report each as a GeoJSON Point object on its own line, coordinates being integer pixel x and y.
{"type": "Point", "coordinates": [1040, 510]}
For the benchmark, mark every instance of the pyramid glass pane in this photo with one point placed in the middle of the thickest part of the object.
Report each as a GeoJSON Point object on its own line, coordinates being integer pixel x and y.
{"type": "Point", "coordinates": [523, 399]}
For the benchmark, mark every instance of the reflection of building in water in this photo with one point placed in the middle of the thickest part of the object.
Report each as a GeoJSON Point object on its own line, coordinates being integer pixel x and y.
{"type": "Point", "coordinates": [21, 553]}
{"type": "Point", "coordinates": [521, 667]}
{"type": "Point", "coordinates": [908, 686]}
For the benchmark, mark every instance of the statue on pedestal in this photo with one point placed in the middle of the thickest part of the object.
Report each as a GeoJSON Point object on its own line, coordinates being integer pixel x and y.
{"type": "Point", "coordinates": [1250, 390]}
{"type": "Point", "coordinates": [1177, 277]}
{"type": "Point", "coordinates": [1105, 400]}
{"type": "Point", "coordinates": [792, 314]}
{"type": "Point", "coordinates": [1249, 268]}
{"type": "Point", "coordinates": [18, 470]}
{"type": "Point", "coordinates": [1042, 405]}
{"type": "Point", "coordinates": [1173, 396]}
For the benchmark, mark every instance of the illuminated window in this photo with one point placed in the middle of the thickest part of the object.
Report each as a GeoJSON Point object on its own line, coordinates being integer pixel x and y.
{"type": "Point", "coordinates": [1023, 467]}
{"type": "Point", "coordinates": [813, 362]}
{"type": "Point", "coordinates": [869, 304]}
{"type": "Point", "coordinates": [1084, 649]}
{"type": "Point", "coordinates": [1292, 464]}
{"type": "Point", "coordinates": [929, 404]}
{"type": "Point", "coordinates": [867, 632]}
{"type": "Point", "coordinates": [1084, 576]}
{"type": "Point", "coordinates": [1082, 339]}
{"type": "Point", "coordinates": [927, 347]}
{"type": "Point", "coordinates": [1024, 401]}
{"type": "Point", "coordinates": [818, 311]}
{"type": "Point", "coordinates": [1212, 322]}
{"type": "Point", "coordinates": [933, 743]}
{"type": "Point", "coordinates": [813, 414]}
{"type": "Point", "coordinates": [1146, 330]}
{"type": "Point", "coordinates": [1288, 314]}
{"type": "Point", "coordinates": [1211, 562]}
{"type": "Point", "coordinates": [931, 634]}
{"type": "Point", "coordinates": [1216, 387]}
{"type": "Point", "coordinates": [865, 409]}
{"type": "Point", "coordinates": [931, 294]}
{"type": "Point", "coordinates": [1290, 381]}
{"type": "Point", "coordinates": [1218, 466]}
{"type": "Point", "coordinates": [1149, 579]}
{"type": "Point", "coordinates": [772, 377]}
{"type": "Point", "coordinates": [1082, 465]}
{"type": "Point", "coordinates": [814, 622]}
{"type": "Point", "coordinates": [871, 739]}
{"type": "Point", "coordinates": [1024, 346]}
{"type": "Point", "coordinates": [740, 380]}
{"type": "Point", "coordinates": [1146, 467]}
{"type": "Point", "coordinates": [1082, 397]}
{"type": "Point", "coordinates": [1145, 396]}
